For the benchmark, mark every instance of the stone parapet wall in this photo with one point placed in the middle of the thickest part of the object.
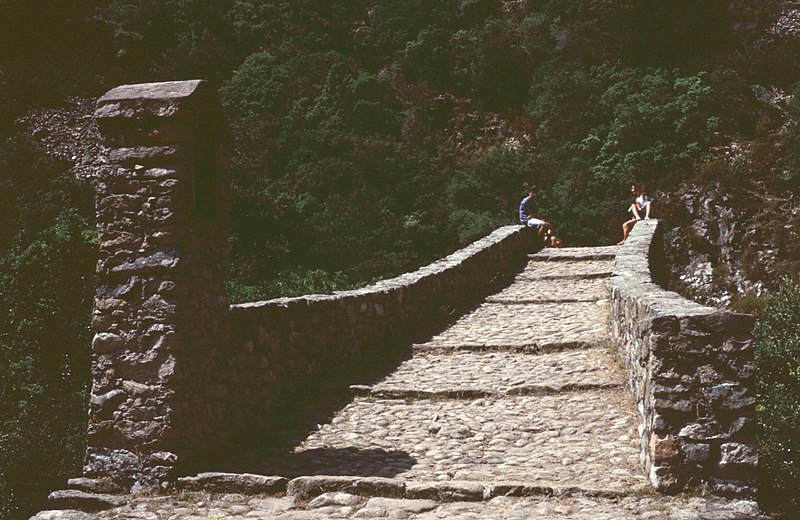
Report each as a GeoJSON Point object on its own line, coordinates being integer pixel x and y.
{"type": "Point", "coordinates": [691, 371]}
{"type": "Point", "coordinates": [282, 345]}
{"type": "Point", "coordinates": [177, 372]}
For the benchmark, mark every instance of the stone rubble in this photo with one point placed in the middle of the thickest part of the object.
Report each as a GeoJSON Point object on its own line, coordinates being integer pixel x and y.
{"type": "Point", "coordinates": [475, 425]}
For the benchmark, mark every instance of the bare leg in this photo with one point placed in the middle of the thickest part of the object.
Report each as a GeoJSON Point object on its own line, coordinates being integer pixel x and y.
{"type": "Point", "coordinates": [647, 210]}
{"type": "Point", "coordinates": [544, 228]}
{"type": "Point", "coordinates": [626, 229]}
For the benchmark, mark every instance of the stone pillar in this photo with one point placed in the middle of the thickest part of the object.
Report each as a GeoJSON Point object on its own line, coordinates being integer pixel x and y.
{"type": "Point", "coordinates": [160, 313]}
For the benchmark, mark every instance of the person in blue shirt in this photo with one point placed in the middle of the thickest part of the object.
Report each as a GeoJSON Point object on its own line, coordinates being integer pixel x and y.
{"type": "Point", "coordinates": [639, 210]}
{"type": "Point", "coordinates": [528, 215]}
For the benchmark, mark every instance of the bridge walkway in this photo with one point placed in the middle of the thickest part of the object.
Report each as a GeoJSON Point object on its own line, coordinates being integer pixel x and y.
{"type": "Point", "coordinates": [522, 390]}
{"type": "Point", "coordinates": [518, 410]}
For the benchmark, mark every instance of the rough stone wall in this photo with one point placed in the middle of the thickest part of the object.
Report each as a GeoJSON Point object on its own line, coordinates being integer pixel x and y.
{"type": "Point", "coordinates": [176, 369]}
{"type": "Point", "coordinates": [160, 308]}
{"type": "Point", "coordinates": [282, 345]}
{"type": "Point", "coordinates": [691, 370]}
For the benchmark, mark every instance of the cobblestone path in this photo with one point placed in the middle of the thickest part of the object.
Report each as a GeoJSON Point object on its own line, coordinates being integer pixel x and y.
{"type": "Point", "coordinates": [517, 410]}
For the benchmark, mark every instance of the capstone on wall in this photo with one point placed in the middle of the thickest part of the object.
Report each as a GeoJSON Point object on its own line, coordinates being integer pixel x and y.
{"type": "Point", "coordinates": [691, 371]}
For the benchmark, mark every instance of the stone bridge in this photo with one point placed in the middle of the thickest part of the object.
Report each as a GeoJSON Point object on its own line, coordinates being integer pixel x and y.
{"type": "Point", "coordinates": [498, 382]}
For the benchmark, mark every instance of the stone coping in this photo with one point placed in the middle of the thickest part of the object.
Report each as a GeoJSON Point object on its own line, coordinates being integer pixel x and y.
{"type": "Point", "coordinates": [691, 370]}
{"type": "Point", "coordinates": [438, 267]}
{"type": "Point", "coordinates": [631, 274]}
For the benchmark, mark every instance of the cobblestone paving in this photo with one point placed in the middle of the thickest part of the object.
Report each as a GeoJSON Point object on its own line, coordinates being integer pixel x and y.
{"type": "Point", "coordinates": [526, 325]}
{"type": "Point", "coordinates": [586, 439]}
{"type": "Point", "coordinates": [563, 291]}
{"type": "Point", "coordinates": [576, 253]}
{"type": "Point", "coordinates": [568, 269]}
{"type": "Point", "coordinates": [501, 372]}
{"type": "Point", "coordinates": [545, 419]}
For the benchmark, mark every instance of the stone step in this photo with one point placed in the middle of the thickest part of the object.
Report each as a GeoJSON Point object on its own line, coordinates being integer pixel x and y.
{"type": "Point", "coordinates": [525, 327]}
{"type": "Point", "coordinates": [567, 276]}
{"type": "Point", "coordinates": [74, 499]}
{"type": "Point", "coordinates": [462, 374]}
{"type": "Point", "coordinates": [576, 253]}
{"type": "Point", "coordinates": [245, 483]}
{"type": "Point", "coordinates": [567, 290]}
{"type": "Point", "coordinates": [583, 439]}
{"type": "Point", "coordinates": [543, 347]}
{"type": "Point", "coordinates": [91, 485]}
{"type": "Point", "coordinates": [309, 487]}
{"type": "Point", "coordinates": [476, 393]}
{"type": "Point", "coordinates": [548, 504]}
{"type": "Point", "coordinates": [586, 269]}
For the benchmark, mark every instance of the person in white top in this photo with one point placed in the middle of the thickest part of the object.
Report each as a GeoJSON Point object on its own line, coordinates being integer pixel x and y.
{"type": "Point", "coordinates": [640, 210]}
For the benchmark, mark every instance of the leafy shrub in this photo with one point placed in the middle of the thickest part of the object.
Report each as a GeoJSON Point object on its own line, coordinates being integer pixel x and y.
{"type": "Point", "coordinates": [778, 362]}
{"type": "Point", "coordinates": [46, 268]}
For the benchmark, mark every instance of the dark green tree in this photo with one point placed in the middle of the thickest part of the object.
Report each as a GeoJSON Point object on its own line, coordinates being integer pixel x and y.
{"type": "Point", "coordinates": [48, 251]}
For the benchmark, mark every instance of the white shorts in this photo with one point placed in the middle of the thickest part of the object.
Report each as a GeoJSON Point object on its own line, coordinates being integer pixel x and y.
{"type": "Point", "coordinates": [535, 222]}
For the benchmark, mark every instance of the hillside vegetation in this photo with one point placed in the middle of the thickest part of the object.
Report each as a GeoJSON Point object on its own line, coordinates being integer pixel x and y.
{"type": "Point", "coordinates": [372, 136]}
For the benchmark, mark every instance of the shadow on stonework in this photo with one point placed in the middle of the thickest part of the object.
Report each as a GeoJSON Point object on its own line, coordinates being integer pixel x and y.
{"type": "Point", "coordinates": [269, 447]}
{"type": "Point", "coordinates": [360, 462]}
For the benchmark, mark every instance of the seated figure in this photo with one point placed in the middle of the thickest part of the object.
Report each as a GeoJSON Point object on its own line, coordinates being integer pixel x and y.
{"type": "Point", "coordinates": [528, 215]}
{"type": "Point", "coordinates": [640, 209]}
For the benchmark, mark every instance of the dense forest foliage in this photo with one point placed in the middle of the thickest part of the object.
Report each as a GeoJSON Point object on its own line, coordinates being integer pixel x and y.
{"type": "Point", "coordinates": [370, 136]}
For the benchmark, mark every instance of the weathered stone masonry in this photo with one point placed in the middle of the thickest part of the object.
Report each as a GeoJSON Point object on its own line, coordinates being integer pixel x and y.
{"type": "Point", "coordinates": [281, 345]}
{"type": "Point", "coordinates": [169, 384]}
{"type": "Point", "coordinates": [691, 371]}
{"type": "Point", "coordinates": [160, 308]}
{"type": "Point", "coordinates": [177, 371]}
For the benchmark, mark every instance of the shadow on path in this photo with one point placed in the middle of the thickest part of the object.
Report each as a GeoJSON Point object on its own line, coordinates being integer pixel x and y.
{"type": "Point", "coordinates": [268, 448]}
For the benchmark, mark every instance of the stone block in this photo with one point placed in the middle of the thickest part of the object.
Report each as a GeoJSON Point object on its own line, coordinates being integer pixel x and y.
{"type": "Point", "coordinates": [702, 431]}
{"type": "Point", "coordinates": [62, 514]}
{"type": "Point", "coordinates": [244, 483]}
{"type": "Point", "coordinates": [663, 479]}
{"type": "Point", "coordinates": [129, 288]}
{"type": "Point", "coordinates": [149, 156]}
{"type": "Point", "coordinates": [696, 452]}
{"type": "Point", "coordinates": [83, 501]}
{"type": "Point", "coordinates": [665, 325]}
{"type": "Point", "coordinates": [732, 396]}
{"type": "Point", "coordinates": [108, 402]}
{"type": "Point", "coordinates": [734, 454]}
{"type": "Point", "coordinates": [333, 499]}
{"type": "Point", "coordinates": [117, 203]}
{"type": "Point", "coordinates": [158, 260]}
{"type": "Point", "coordinates": [743, 426]}
{"type": "Point", "coordinates": [91, 485]}
{"type": "Point", "coordinates": [663, 449]}
{"type": "Point", "coordinates": [105, 342]}
{"type": "Point", "coordinates": [128, 109]}
{"type": "Point", "coordinates": [447, 491]}
{"type": "Point", "coordinates": [674, 405]}
{"type": "Point", "coordinates": [733, 487]}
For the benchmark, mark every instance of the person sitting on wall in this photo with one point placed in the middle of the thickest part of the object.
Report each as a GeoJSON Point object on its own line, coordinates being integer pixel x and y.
{"type": "Point", "coordinates": [528, 215]}
{"type": "Point", "coordinates": [639, 210]}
